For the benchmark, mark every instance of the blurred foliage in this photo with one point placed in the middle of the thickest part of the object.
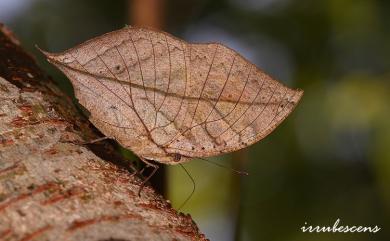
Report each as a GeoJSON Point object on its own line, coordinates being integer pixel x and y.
{"type": "Point", "coordinates": [330, 159]}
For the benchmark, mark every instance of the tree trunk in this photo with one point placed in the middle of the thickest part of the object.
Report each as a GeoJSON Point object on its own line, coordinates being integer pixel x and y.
{"type": "Point", "coordinates": [52, 188]}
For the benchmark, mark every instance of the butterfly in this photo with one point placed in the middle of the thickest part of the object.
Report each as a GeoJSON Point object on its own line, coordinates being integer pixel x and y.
{"type": "Point", "coordinates": [171, 101]}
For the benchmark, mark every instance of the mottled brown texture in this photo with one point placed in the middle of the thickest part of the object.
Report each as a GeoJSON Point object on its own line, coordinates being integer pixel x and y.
{"type": "Point", "coordinates": [52, 188]}
{"type": "Point", "coordinates": [164, 98]}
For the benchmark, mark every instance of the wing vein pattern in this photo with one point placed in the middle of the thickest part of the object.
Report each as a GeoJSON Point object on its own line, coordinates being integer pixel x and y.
{"type": "Point", "coordinates": [160, 96]}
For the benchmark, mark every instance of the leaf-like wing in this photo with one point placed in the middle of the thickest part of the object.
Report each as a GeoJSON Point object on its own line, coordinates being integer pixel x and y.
{"type": "Point", "coordinates": [160, 96]}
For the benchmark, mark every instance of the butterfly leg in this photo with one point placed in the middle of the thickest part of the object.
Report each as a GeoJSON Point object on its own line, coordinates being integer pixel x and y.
{"type": "Point", "coordinates": [87, 142]}
{"type": "Point", "coordinates": [96, 140]}
{"type": "Point", "coordinates": [139, 172]}
{"type": "Point", "coordinates": [149, 164]}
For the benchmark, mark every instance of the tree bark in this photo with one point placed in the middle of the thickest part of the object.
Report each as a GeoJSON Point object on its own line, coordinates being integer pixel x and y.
{"type": "Point", "coordinates": [52, 188]}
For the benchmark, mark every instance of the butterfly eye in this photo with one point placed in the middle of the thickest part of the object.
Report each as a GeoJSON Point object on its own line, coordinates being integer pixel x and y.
{"type": "Point", "coordinates": [176, 157]}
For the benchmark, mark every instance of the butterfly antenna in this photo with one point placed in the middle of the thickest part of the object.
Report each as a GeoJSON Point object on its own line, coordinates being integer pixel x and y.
{"type": "Point", "coordinates": [229, 168]}
{"type": "Point", "coordinates": [193, 187]}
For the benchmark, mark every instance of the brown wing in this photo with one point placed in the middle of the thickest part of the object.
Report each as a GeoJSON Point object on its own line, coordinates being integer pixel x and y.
{"type": "Point", "coordinates": [159, 95]}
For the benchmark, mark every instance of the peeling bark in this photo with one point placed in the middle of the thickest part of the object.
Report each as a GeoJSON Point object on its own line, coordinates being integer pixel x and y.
{"type": "Point", "coordinates": [54, 189]}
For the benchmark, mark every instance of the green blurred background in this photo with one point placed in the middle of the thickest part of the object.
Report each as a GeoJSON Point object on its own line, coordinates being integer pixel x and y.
{"type": "Point", "coordinates": [330, 159]}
